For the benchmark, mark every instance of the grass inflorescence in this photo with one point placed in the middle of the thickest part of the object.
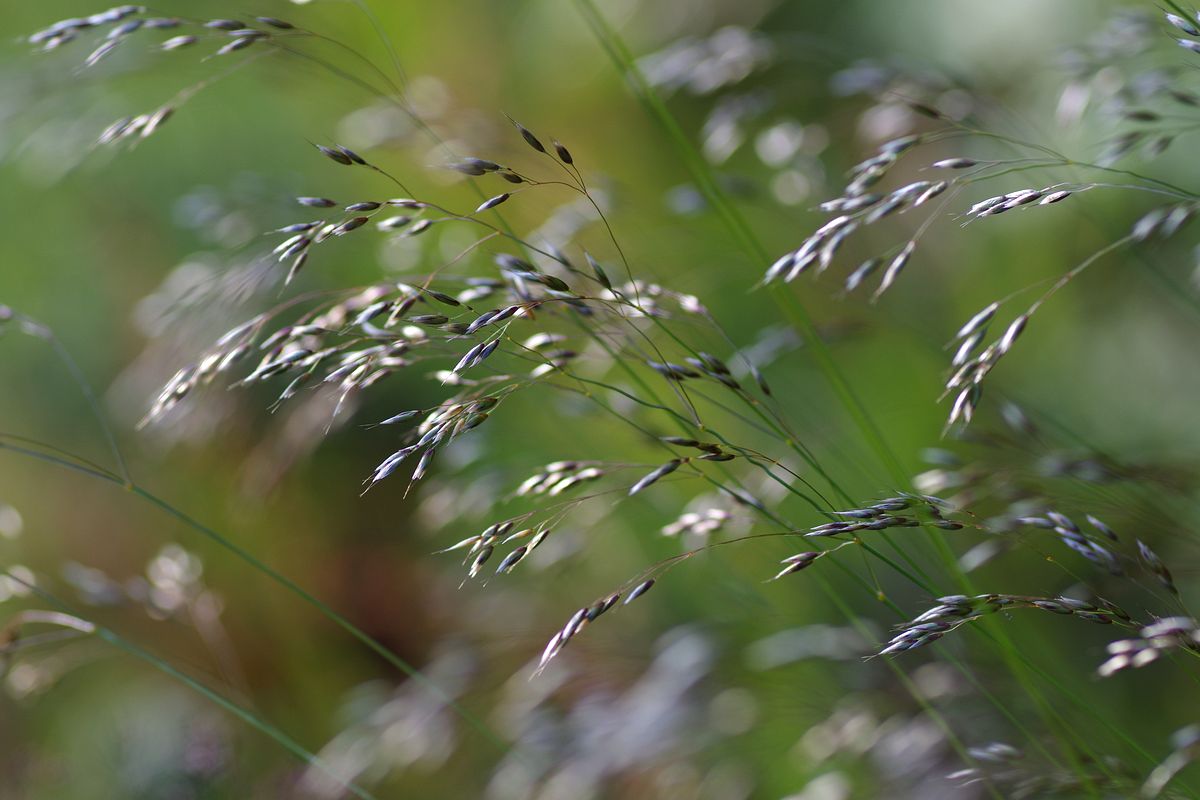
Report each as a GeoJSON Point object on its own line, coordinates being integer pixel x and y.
{"type": "Point", "coordinates": [568, 309]}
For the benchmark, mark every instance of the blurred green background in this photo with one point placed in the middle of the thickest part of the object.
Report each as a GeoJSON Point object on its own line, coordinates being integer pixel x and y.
{"type": "Point", "coordinates": [719, 685]}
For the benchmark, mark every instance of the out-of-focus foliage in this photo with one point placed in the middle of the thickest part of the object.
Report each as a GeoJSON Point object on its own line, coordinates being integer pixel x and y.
{"type": "Point", "coordinates": [716, 685]}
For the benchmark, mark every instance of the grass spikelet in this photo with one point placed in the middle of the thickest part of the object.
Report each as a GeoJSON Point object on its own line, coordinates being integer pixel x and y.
{"type": "Point", "coordinates": [652, 477]}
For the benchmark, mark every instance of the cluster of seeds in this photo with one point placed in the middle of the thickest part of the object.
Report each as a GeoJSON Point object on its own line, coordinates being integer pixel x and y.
{"type": "Point", "coordinates": [482, 546]}
{"type": "Point", "coordinates": [230, 349]}
{"type": "Point", "coordinates": [712, 452]}
{"type": "Point", "coordinates": [860, 205]}
{"type": "Point", "coordinates": [956, 610]}
{"type": "Point", "coordinates": [1155, 640]}
{"type": "Point", "coordinates": [66, 31]}
{"type": "Point", "coordinates": [303, 236]}
{"type": "Point", "coordinates": [140, 126]}
{"type": "Point", "coordinates": [1189, 28]}
{"type": "Point", "coordinates": [478, 167]}
{"type": "Point", "coordinates": [880, 516]}
{"type": "Point", "coordinates": [439, 428]}
{"type": "Point", "coordinates": [117, 25]}
{"type": "Point", "coordinates": [360, 340]}
{"type": "Point", "coordinates": [342, 347]}
{"type": "Point", "coordinates": [300, 347]}
{"type": "Point", "coordinates": [887, 514]}
{"type": "Point", "coordinates": [855, 209]}
{"type": "Point", "coordinates": [1089, 546]}
{"type": "Point", "coordinates": [800, 561]}
{"type": "Point", "coordinates": [340, 338]}
{"type": "Point", "coordinates": [354, 343]}
{"type": "Point", "coordinates": [1020, 198]}
{"type": "Point", "coordinates": [700, 366]}
{"type": "Point", "coordinates": [584, 617]}
{"type": "Point", "coordinates": [969, 368]}
{"type": "Point", "coordinates": [1094, 548]}
{"type": "Point", "coordinates": [123, 21]}
{"type": "Point", "coordinates": [558, 477]}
